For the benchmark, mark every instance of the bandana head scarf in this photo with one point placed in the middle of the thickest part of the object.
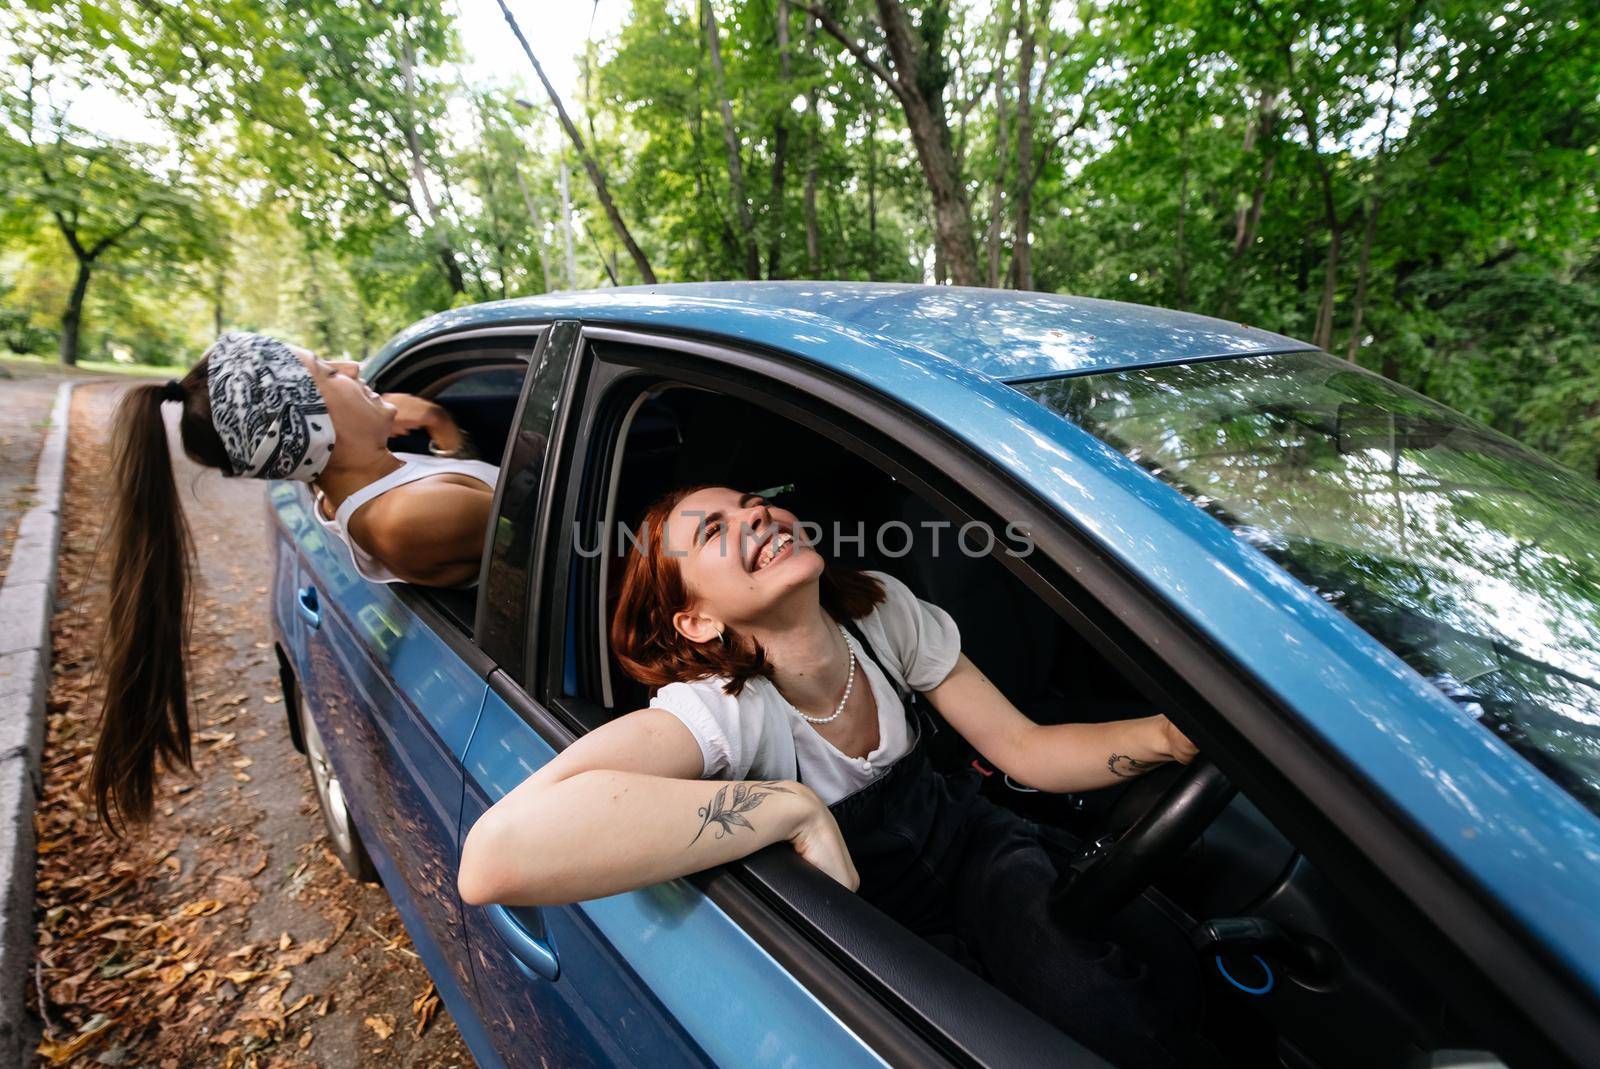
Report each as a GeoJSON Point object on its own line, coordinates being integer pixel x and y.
{"type": "Point", "coordinates": [267, 409]}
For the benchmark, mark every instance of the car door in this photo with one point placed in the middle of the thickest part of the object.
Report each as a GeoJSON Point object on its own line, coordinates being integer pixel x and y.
{"type": "Point", "coordinates": [692, 971]}
{"type": "Point", "coordinates": [283, 518]}
{"type": "Point", "coordinates": [395, 685]}
{"type": "Point", "coordinates": [549, 990]}
{"type": "Point", "coordinates": [658, 976]}
{"type": "Point", "coordinates": [395, 705]}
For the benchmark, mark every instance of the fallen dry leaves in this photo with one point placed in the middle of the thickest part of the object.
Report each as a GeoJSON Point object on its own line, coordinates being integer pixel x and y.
{"type": "Point", "coordinates": [424, 1008]}
{"type": "Point", "coordinates": [187, 943]}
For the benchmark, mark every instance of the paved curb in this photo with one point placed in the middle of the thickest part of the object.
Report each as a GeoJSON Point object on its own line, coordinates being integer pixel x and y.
{"type": "Point", "coordinates": [27, 601]}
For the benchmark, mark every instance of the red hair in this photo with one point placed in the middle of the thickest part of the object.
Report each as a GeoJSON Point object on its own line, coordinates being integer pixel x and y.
{"type": "Point", "coordinates": [651, 649]}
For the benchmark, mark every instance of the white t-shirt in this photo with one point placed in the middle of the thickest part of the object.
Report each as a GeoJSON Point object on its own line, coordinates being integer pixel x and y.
{"type": "Point", "coordinates": [759, 735]}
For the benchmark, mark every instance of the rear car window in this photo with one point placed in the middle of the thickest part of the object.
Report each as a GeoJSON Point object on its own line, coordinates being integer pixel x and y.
{"type": "Point", "coordinates": [497, 382]}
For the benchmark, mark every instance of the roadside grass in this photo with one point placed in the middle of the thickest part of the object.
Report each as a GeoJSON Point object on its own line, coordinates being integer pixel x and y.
{"type": "Point", "coordinates": [38, 364]}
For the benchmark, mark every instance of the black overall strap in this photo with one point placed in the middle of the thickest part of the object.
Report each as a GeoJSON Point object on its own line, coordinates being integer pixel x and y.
{"type": "Point", "coordinates": [909, 698]}
{"type": "Point", "coordinates": [905, 692]}
{"type": "Point", "coordinates": [902, 825]}
{"type": "Point", "coordinates": [919, 714]}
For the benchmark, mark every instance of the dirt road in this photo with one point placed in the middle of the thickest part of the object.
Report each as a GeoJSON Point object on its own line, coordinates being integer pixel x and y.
{"type": "Point", "coordinates": [225, 934]}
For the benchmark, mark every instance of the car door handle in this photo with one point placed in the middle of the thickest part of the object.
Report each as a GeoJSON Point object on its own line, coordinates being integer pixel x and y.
{"type": "Point", "coordinates": [306, 602]}
{"type": "Point", "coordinates": [531, 950]}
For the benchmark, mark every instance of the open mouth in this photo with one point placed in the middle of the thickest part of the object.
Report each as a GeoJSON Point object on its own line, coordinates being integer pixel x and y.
{"type": "Point", "coordinates": [775, 547]}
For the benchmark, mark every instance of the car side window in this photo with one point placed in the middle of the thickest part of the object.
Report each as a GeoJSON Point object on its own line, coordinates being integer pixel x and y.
{"type": "Point", "coordinates": [672, 435]}
{"type": "Point", "coordinates": [499, 382]}
{"type": "Point", "coordinates": [479, 382]}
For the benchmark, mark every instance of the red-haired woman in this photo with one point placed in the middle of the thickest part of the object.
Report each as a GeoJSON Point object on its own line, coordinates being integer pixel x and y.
{"type": "Point", "coordinates": [747, 633]}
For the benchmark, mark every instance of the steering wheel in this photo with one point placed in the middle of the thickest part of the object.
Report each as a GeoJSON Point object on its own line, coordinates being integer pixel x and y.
{"type": "Point", "coordinates": [1107, 873]}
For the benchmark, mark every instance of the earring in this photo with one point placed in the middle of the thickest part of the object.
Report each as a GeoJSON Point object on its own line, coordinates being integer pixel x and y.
{"type": "Point", "coordinates": [722, 635]}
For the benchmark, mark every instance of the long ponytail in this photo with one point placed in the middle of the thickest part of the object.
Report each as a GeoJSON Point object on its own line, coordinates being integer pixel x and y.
{"type": "Point", "coordinates": [144, 649]}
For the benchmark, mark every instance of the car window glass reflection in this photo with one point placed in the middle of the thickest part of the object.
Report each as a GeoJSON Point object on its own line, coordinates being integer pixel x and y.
{"type": "Point", "coordinates": [1473, 558]}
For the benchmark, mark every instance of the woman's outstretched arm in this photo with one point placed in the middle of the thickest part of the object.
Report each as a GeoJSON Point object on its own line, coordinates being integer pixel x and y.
{"type": "Point", "coordinates": [620, 809]}
{"type": "Point", "coordinates": [1053, 757]}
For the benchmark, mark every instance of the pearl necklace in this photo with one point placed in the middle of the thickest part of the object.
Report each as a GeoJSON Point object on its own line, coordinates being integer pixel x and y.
{"type": "Point", "coordinates": [849, 681]}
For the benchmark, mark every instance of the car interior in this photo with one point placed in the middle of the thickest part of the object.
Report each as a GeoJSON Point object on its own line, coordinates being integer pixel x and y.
{"type": "Point", "coordinates": [1245, 895]}
{"type": "Point", "coordinates": [1240, 867]}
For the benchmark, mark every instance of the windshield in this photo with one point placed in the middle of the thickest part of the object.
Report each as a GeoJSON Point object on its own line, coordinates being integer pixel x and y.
{"type": "Point", "coordinates": [1473, 558]}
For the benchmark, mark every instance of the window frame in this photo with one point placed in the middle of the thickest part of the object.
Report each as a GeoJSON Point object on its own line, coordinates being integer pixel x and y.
{"type": "Point", "coordinates": [959, 1019]}
{"type": "Point", "coordinates": [522, 343]}
{"type": "Point", "coordinates": [1381, 862]}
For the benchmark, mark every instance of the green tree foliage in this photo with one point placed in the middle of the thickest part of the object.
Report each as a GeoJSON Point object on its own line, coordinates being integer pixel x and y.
{"type": "Point", "coordinates": [116, 206]}
{"type": "Point", "coordinates": [1410, 185]}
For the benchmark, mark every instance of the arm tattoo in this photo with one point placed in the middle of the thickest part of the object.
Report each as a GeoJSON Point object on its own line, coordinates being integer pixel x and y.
{"type": "Point", "coordinates": [729, 813]}
{"type": "Point", "coordinates": [1125, 766]}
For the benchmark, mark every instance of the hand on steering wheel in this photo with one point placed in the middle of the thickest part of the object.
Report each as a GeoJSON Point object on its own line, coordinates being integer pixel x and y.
{"type": "Point", "coordinates": [1108, 873]}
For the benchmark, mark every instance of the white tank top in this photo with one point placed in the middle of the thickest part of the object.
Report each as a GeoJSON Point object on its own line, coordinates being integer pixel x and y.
{"type": "Point", "coordinates": [414, 466]}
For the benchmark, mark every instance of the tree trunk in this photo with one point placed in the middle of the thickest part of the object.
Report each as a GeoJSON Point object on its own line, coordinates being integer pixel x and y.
{"type": "Point", "coordinates": [997, 188]}
{"type": "Point", "coordinates": [1022, 207]}
{"type": "Point", "coordinates": [1248, 217]}
{"type": "Point", "coordinates": [1002, 152]}
{"type": "Point", "coordinates": [72, 315]}
{"type": "Point", "coordinates": [596, 178]}
{"type": "Point", "coordinates": [1322, 336]}
{"type": "Point", "coordinates": [569, 253]}
{"type": "Point", "coordinates": [836, 218]}
{"type": "Point", "coordinates": [872, 195]}
{"type": "Point", "coordinates": [1375, 202]}
{"type": "Point", "coordinates": [219, 289]}
{"type": "Point", "coordinates": [918, 81]}
{"type": "Point", "coordinates": [930, 136]}
{"type": "Point", "coordinates": [533, 218]}
{"type": "Point", "coordinates": [730, 144]}
{"type": "Point", "coordinates": [780, 148]}
{"type": "Point", "coordinates": [419, 174]}
{"type": "Point", "coordinates": [808, 198]}
{"type": "Point", "coordinates": [1363, 270]}
{"type": "Point", "coordinates": [1183, 210]}
{"type": "Point", "coordinates": [952, 217]}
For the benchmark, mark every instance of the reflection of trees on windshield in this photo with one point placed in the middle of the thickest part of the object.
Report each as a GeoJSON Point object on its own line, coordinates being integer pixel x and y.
{"type": "Point", "coordinates": [1474, 559]}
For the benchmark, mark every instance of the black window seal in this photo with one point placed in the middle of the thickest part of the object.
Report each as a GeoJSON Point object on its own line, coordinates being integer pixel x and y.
{"type": "Point", "coordinates": [1100, 369]}
{"type": "Point", "coordinates": [563, 351]}
{"type": "Point", "coordinates": [1526, 1001]}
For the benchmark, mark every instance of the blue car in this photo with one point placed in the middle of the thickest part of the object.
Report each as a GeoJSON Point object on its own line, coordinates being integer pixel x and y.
{"type": "Point", "coordinates": [1379, 620]}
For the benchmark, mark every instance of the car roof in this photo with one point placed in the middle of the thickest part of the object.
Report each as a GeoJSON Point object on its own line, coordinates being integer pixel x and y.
{"type": "Point", "coordinates": [1006, 334]}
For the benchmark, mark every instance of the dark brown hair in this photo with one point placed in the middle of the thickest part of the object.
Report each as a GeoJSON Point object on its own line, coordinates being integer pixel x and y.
{"type": "Point", "coordinates": [144, 649]}
{"type": "Point", "coordinates": [653, 651]}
